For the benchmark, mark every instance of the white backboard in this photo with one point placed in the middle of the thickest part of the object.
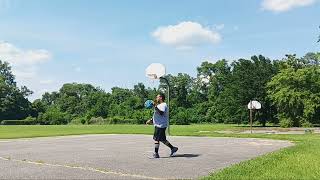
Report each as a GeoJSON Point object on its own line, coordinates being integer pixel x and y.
{"type": "Point", "coordinates": [155, 71]}
{"type": "Point", "coordinates": [254, 105]}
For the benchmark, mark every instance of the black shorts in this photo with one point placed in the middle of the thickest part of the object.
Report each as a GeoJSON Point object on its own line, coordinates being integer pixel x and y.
{"type": "Point", "coordinates": [159, 134]}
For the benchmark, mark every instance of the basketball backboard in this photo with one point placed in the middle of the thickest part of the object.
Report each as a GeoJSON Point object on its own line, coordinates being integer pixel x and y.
{"type": "Point", "coordinates": [155, 71]}
{"type": "Point", "coordinates": [254, 105]}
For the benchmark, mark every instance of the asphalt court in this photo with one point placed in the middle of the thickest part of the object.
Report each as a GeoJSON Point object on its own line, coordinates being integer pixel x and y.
{"type": "Point", "coordinates": [125, 156]}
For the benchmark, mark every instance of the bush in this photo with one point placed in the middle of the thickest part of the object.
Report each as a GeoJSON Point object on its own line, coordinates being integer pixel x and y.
{"type": "Point", "coordinates": [29, 118]}
{"type": "Point", "coordinates": [197, 118]}
{"type": "Point", "coordinates": [78, 121]}
{"type": "Point", "coordinates": [181, 118]}
{"type": "Point", "coordinates": [286, 122]}
{"type": "Point", "coordinates": [97, 120]}
{"type": "Point", "coordinates": [121, 120]}
{"type": "Point", "coordinates": [141, 116]}
{"type": "Point", "coordinates": [128, 121]}
{"type": "Point", "coordinates": [54, 116]}
{"type": "Point", "coordinates": [19, 122]}
{"type": "Point", "coordinates": [306, 124]}
{"type": "Point", "coordinates": [28, 121]}
{"type": "Point", "coordinates": [111, 120]}
{"type": "Point", "coordinates": [256, 123]}
{"type": "Point", "coordinates": [114, 120]}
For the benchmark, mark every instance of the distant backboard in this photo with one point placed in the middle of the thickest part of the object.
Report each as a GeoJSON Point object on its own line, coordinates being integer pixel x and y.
{"type": "Point", "coordinates": [254, 105]}
{"type": "Point", "coordinates": [155, 71]}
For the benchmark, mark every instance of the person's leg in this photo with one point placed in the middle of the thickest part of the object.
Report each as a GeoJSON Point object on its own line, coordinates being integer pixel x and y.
{"type": "Point", "coordinates": [163, 137]}
{"type": "Point", "coordinates": [173, 149]}
{"type": "Point", "coordinates": [167, 143]}
{"type": "Point", "coordinates": [156, 147]}
{"type": "Point", "coordinates": [156, 143]}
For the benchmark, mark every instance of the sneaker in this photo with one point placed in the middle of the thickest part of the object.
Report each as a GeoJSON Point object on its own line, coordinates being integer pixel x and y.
{"type": "Point", "coordinates": [173, 151]}
{"type": "Point", "coordinates": [156, 155]}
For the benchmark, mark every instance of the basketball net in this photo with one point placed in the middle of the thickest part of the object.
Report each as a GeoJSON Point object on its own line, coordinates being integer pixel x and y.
{"type": "Point", "coordinates": [152, 79]}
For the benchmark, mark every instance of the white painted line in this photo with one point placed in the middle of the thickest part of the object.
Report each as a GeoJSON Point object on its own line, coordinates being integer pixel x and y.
{"type": "Point", "coordinates": [103, 171]}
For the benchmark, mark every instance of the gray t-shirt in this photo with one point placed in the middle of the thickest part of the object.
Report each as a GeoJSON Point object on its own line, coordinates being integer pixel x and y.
{"type": "Point", "coordinates": [161, 121]}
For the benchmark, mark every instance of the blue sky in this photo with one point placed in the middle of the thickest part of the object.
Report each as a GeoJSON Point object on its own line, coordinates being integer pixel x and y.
{"type": "Point", "coordinates": [110, 42]}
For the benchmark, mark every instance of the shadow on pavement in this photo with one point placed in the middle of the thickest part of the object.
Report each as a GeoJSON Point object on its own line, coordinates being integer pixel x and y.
{"type": "Point", "coordinates": [184, 155]}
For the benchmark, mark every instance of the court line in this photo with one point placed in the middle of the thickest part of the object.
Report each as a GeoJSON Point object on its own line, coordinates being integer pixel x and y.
{"type": "Point", "coordinates": [103, 171]}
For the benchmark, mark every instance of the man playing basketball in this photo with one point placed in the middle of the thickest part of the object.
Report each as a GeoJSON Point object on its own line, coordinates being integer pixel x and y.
{"type": "Point", "coordinates": [160, 122]}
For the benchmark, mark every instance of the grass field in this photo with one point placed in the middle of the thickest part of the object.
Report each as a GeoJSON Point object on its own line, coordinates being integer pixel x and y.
{"type": "Point", "coordinates": [298, 162]}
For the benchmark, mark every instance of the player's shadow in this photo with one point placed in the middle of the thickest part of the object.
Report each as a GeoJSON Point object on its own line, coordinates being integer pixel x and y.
{"type": "Point", "coordinates": [185, 155]}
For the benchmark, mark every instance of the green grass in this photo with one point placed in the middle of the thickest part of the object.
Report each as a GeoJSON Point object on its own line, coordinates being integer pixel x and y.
{"type": "Point", "coordinates": [28, 131]}
{"type": "Point", "coordinates": [9, 132]}
{"type": "Point", "coordinates": [298, 162]}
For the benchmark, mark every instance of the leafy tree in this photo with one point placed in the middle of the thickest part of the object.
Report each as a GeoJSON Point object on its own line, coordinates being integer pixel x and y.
{"type": "Point", "coordinates": [296, 93]}
{"type": "Point", "coordinates": [120, 95]}
{"type": "Point", "coordinates": [13, 100]}
{"type": "Point", "coordinates": [198, 113]}
{"type": "Point", "coordinates": [37, 107]}
{"type": "Point", "coordinates": [249, 82]}
{"type": "Point", "coordinates": [182, 117]}
{"type": "Point", "coordinates": [232, 87]}
{"type": "Point", "coordinates": [72, 97]}
{"type": "Point", "coordinates": [212, 77]}
{"type": "Point", "coordinates": [312, 59]}
{"type": "Point", "coordinates": [49, 99]}
{"type": "Point", "coordinates": [97, 104]}
{"type": "Point", "coordinates": [140, 91]}
{"type": "Point", "coordinates": [6, 73]}
{"type": "Point", "coordinates": [288, 90]}
{"type": "Point", "coordinates": [180, 87]}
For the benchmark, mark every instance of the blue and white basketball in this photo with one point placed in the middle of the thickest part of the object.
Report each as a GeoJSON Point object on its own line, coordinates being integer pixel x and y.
{"type": "Point", "coordinates": [148, 104]}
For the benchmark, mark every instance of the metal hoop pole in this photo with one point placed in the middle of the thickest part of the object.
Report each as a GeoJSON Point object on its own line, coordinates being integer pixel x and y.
{"type": "Point", "coordinates": [168, 98]}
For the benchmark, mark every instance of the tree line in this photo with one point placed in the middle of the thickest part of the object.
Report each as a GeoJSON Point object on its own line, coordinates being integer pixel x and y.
{"type": "Point", "coordinates": [288, 89]}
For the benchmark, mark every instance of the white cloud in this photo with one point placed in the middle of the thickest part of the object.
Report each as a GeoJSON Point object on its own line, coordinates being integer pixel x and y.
{"type": "Point", "coordinates": [16, 56]}
{"type": "Point", "coordinates": [284, 5]}
{"type": "Point", "coordinates": [25, 64]}
{"type": "Point", "coordinates": [23, 61]}
{"type": "Point", "coordinates": [24, 74]}
{"type": "Point", "coordinates": [46, 82]}
{"type": "Point", "coordinates": [186, 35]}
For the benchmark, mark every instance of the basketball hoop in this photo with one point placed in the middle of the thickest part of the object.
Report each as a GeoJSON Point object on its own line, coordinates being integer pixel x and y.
{"type": "Point", "coordinates": [253, 105]}
{"type": "Point", "coordinates": [152, 76]}
{"type": "Point", "coordinates": [156, 71]}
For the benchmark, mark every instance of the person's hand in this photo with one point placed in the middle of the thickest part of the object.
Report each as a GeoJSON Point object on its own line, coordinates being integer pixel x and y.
{"type": "Point", "coordinates": [149, 122]}
{"type": "Point", "coordinates": [155, 103]}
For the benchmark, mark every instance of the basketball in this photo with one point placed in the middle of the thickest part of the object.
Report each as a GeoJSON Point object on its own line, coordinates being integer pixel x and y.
{"type": "Point", "coordinates": [148, 104]}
